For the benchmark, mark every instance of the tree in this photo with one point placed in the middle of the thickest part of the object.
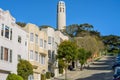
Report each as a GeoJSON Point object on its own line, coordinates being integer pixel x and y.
{"type": "Point", "coordinates": [45, 26]}
{"type": "Point", "coordinates": [67, 51]}
{"type": "Point", "coordinates": [22, 24]}
{"type": "Point", "coordinates": [24, 69]}
{"type": "Point", "coordinates": [83, 56]}
{"type": "Point", "coordinates": [112, 43]}
{"type": "Point", "coordinates": [86, 26]}
{"type": "Point", "coordinates": [77, 30]}
{"type": "Point", "coordinates": [90, 43]}
{"type": "Point", "coordinates": [61, 66]}
{"type": "Point", "coordinates": [14, 77]}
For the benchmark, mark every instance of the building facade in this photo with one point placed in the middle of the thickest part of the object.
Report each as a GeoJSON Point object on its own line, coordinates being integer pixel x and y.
{"type": "Point", "coordinates": [37, 50]}
{"type": "Point", "coordinates": [54, 39]}
{"type": "Point", "coordinates": [13, 44]}
{"type": "Point", "coordinates": [30, 43]}
{"type": "Point", "coordinates": [51, 47]}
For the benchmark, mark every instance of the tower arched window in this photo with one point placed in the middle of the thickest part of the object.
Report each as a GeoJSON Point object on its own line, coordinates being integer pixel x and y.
{"type": "Point", "coordinates": [63, 9]}
{"type": "Point", "coordinates": [60, 9]}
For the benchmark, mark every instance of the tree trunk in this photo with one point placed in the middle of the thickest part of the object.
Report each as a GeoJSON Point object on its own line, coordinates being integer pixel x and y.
{"type": "Point", "coordinates": [65, 73]}
{"type": "Point", "coordinates": [81, 68]}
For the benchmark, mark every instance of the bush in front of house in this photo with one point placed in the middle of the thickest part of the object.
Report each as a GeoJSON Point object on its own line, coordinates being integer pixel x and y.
{"type": "Point", "coordinates": [14, 77]}
{"type": "Point", "coordinates": [43, 77]}
{"type": "Point", "coordinates": [52, 74]}
{"type": "Point", "coordinates": [48, 75]}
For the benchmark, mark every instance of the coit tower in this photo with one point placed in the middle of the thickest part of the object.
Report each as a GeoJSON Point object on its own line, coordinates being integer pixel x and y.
{"type": "Point", "coordinates": [61, 16]}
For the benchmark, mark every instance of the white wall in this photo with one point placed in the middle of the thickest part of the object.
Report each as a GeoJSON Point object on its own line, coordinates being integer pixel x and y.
{"type": "Point", "coordinates": [17, 48]}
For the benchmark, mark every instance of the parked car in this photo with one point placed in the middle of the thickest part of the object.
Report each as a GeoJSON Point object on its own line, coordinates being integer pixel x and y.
{"type": "Point", "coordinates": [116, 64]}
{"type": "Point", "coordinates": [116, 75]}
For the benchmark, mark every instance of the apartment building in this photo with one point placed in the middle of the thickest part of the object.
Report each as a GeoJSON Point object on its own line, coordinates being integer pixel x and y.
{"type": "Point", "coordinates": [37, 50]}
{"type": "Point", "coordinates": [13, 44]}
{"type": "Point", "coordinates": [54, 39]}
{"type": "Point", "coordinates": [51, 47]}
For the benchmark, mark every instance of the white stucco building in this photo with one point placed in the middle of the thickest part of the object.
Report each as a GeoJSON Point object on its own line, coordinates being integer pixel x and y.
{"type": "Point", "coordinates": [13, 44]}
{"type": "Point", "coordinates": [54, 39]}
{"type": "Point", "coordinates": [50, 46]}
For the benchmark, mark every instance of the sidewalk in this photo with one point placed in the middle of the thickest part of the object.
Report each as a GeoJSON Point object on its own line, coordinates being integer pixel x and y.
{"type": "Point", "coordinates": [73, 75]}
{"type": "Point", "coordinates": [70, 75]}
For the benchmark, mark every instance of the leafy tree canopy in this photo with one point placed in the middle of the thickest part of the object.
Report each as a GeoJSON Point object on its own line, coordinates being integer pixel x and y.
{"type": "Point", "coordinates": [80, 30]}
{"type": "Point", "coordinates": [22, 24]}
{"type": "Point", "coordinates": [112, 43]}
{"type": "Point", "coordinates": [67, 50]}
{"type": "Point", "coordinates": [83, 56]}
{"type": "Point", "coordinates": [45, 26]}
{"type": "Point", "coordinates": [24, 69]}
{"type": "Point", "coordinates": [14, 77]}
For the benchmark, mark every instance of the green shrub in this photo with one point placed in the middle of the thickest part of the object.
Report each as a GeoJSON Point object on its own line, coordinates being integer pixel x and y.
{"type": "Point", "coordinates": [61, 66]}
{"type": "Point", "coordinates": [24, 69]}
{"type": "Point", "coordinates": [48, 75]}
{"type": "Point", "coordinates": [61, 70]}
{"type": "Point", "coordinates": [43, 77]}
{"type": "Point", "coordinates": [14, 77]}
{"type": "Point", "coordinates": [52, 74]}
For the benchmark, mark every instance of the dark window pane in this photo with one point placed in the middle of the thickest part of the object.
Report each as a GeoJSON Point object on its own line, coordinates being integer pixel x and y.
{"type": "Point", "coordinates": [11, 34]}
{"type": "Point", "coordinates": [19, 39]}
{"type": "Point", "coordinates": [2, 31]}
{"type": "Point", "coordinates": [6, 32]}
{"type": "Point", "coordinates": [10, 55]}
{"type": "Point", "coordinates": [1, 53]}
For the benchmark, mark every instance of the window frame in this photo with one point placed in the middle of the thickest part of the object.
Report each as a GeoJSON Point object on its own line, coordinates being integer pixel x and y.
{"type": "Point", "coordinates": [31, 37]}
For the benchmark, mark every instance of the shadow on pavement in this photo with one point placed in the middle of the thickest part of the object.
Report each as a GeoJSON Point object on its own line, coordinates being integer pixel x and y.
{"type": "Point", "coordinates": [100, 68]}
{"type": "Point", "coordinates": [99, 76]}
{"type": "Point", "coordinates": [106, 64]}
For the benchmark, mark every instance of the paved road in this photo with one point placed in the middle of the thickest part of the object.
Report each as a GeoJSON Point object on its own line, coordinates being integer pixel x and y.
{"type": "Point", "coordinates": [100, 70]}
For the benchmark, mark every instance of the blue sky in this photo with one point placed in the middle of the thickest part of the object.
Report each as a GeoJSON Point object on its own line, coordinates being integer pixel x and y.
{"type": "Point", "coordinates": [104, 15]}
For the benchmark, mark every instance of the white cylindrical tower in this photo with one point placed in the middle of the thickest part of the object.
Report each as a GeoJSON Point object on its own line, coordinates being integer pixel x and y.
{"type": "Point", "coordinates": [61, 15]}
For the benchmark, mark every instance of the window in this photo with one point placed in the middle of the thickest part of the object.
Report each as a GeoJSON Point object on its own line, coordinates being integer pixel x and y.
{"type": "Point", "coordinates": [31, 37]}
{"type": "Point", "coordinates": [39, 58]}
{"type": "Point", "coordinates": [1, 53]}
{"type": "Point", "coordinates": [7, 32]}
{"type": "Point", "coordinates": [49, 40]}
{"type": "Point", "coordinates": [36, 56]}
{"type": "Point", "coordinates": [45, 44]}
{"type": "Point", "coordinates": [42, 59]}
{"type": "Point", "coordinates": [31, 55]}
{"type": "Point", "coordinates": [10, 55]}
{"type": "Point", "coordinates": [19, 57]}
{"type": "Point", "coordinates": [6, 54]}
{"type": "Point", "coordinates": [37, 76]}
{"type": "Point", "coordinates": [41, 42]}
{"type": "Point", "coordinates": [36, 38]}
{"type": "Point", "coordinates": [52, 41]}
{"type": "Point", "coordinates": [53, 55]}
{"type": "Point", "coordinates": [11, 34]}
{"type": "Point", "coordinates": [25, 43]}
{"type": "Point", "coordinates": [2, 30]}
{"type": "Point", "coordinates": [60, 9]}
{"type": "Point", "coordinates": [30, 77]}
{"type": "Point", "coordinates": [63, 9]}
{"type": "Point", "coordinates": [19, 39]}
{"type": "Point", "coordinates": [49, 53]}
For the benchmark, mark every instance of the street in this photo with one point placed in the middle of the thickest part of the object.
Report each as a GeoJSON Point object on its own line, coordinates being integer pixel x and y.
{"type": "Point", "coordinates": [100, 70]}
